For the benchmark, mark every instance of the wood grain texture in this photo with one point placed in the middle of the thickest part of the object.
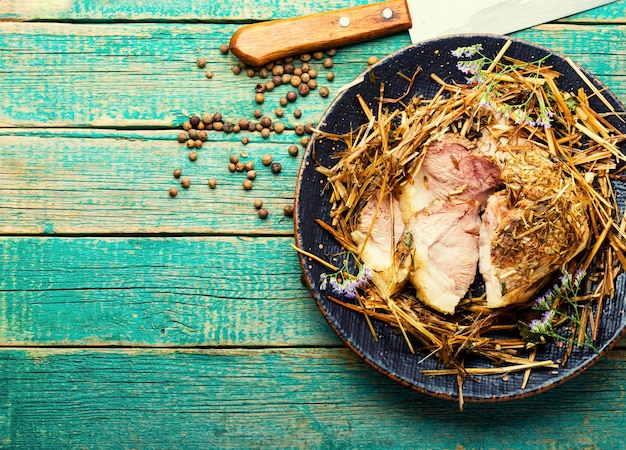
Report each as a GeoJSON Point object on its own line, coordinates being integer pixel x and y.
{"type": "Point", "coordinates": [145, 75]}
{"type": "Point", "coordinates": [173, 292]}
{"type": "Point", "coordinates": [208, 10]}
{"type": "Point", "coordinates": [302, 398]}
{"type": "Point", "coordinates": [95, 182]}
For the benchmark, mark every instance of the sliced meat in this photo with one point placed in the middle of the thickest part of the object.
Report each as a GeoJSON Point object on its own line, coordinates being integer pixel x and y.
{"type": "Point", "coordinates": [445, 241]}
{"type": "Point", "coordinates": [379, 237]}
{"type": "Point", "coordinates": [529, 230]}
{"type": "Point", "coordinates": [450, 170]}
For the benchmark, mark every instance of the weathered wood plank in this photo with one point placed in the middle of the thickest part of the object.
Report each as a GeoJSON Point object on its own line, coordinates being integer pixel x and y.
{"type": "Point", "coordinates": [79, 182]}
{"type": "Point", "coordinates": [221, 291]}
{"type": "Point", "coordinates": [189, 10]}
{"type": "Point", "coordinates": [144, 75]}
{"type": "Point", "coordinates": [304, 398]}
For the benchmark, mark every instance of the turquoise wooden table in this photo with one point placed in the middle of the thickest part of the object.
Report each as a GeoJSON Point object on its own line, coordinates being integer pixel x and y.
{"type": "Point", "coordinates": [133, 319]}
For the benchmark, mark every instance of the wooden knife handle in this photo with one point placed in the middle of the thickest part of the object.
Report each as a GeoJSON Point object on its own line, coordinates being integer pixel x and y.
{"type": "Point", "coordinates": [264, 42]}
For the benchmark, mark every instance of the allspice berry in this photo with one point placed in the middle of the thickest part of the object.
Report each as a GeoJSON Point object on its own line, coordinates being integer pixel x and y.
{"type": "Point", "coordinates": [291, 96]}
{"type": "Point", "coordinates": [263, 213]}
{"type": "Point", "coordinates": [372, 60]}
{"type": "Point", "coordinates": [177, 173]}
{"type": "Point", "coordinates": [182, 137]}
{"type": "Point", "coordinates": [279, 127]}
{"type": "Point", "coordinates": [293, 150]}
{"type": "Point", "coordinates": [265, 133]}
{"type": "Point", "coordinates": [303, 89]}
{"type": "Point", "coordinates": [276, 167]}
{"type": "Point", "coordinates": [258, 203]}
{"type": "Point", "coordinates": [288, 210]}
{"type": "Point", "coordinates": [266, 159]}
{"type": "Point", "coordinates": [224, 49]}
{"type": "Point", "coordinates": [173, 192]}
{"type": "Point", "coordinates": [330, 76]}
{"type": "Point", "coordinates": [193, 156]}
{"type": "Point", "coordinates": [201, 62]}
{"type": "Point", "coordinates": [324, 92]}
{"type": "Point", "coordinates": [194, 121]}
{"type": "Point", "coordinates": [247, 185]}
{"type": "Point", "coordinates": [297, 113]}
{"type": "Point", "coordinates": [259, 98]}
{"type": "Point", "coordinates": [209, 74]}
{"type": "Point", "coordinates": [212, 183]}
{"type": "Point", "coordinates": [328, 63]}
{"type": "Point", "coordinates": [251, 174]}
{"type": "Point", "coordinates": [185, 182]}
{"type": "Point", "coordinates": [248, 165]}
{"type": "Point", "coordinates": [265, 122]}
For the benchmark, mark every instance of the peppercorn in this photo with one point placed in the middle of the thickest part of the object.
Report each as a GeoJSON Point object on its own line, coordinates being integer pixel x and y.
{"type": "Point", "coordinates": [245, 140]}
{"type": "Point", "coordinates": [303, 89]}
{"type": "Point", "coordinates": [201, 126]}
{"type": "Point", "coordinates": [276, 167]}
{"type": "Point", "coordinates": [236, 128]}
{"type": "Point", "coordinates": [243, 123]}
{"type": "Point", "coordinates": [258, 127]}
{"type": "Point", "coordinates": [304, 140]}
{"type": "Point", "coordinates": [269, 86]}
{"type": "Point", "coordinates": [318, 55]}
{"type": "Point", "coordinates": [259, 88]}
{"type": "Point", "coordinates": [277, 80]}
{"type": "Point", "coordinates": [299, 129]}
{"type": "Point", "coordinates": [251, 127]}
{"type": "Point", "coordinates": [247, 185]}
{"type": "Point", "coordinates": [295, 80]}
{"type": "Point", "coordinates": [187, 125]}
{"type": "Point", "coordinates": [305, 57]}
{"type": "Point", "coordinates": [283, 101]}
{"type": "Point", "coordinates": [297, 72]}
{"type": "Point", "coordinates": [278, 70]}
{"type": "Point", "coordinates": [372, 60]}
{"type": "Point", "coordinates": [239, 166]}
{"type": "Point", "coordinates": [212, 183]}
{"type": "Point", "coordinates": [312, 84]}
{"type": "Point", "coordinates": [194, 121]}
{"type": "Point", "coordinates": [236, 69]}
{"type": "Point", "coordinates": [218, 126]}
{"type": "Point", "coordinates": [305, 77]}
{"type": "Point", "coordinates": [297, 113]}
{"type": "Point", "coordinates": [234, 159]}
{"type": "Point", "coordinates": [249, 165]}
{"type": "Point", "coordinates": [250, 72]}
{"type": "Point", "coordinates": [288, 210]}
{"type": "Point", "coordinates": [331, 52]}
{"type": "Point", "coordinates": [227, 127]}
{"type": "Point", "coordinates": [263, 72]}
{"type": "Point", "coordinates": [193, 133]}
{"type": "Point", "coordinates": [279, 112]}
{"type": "Point", "coordinates": [330, 76]}
{"type": "Point", "coordinates": [209, 74]}
{"type": "Point", "coordinates": [251, 174]}
{"type": "Point", "coordinates": [185, 182]}
{"type": "Point", "coordinates": [258, 203]}
{"type": "Point", "coordinates": [197, 143]}
{"type": "Point", "coordinates": [232, 167]}
{"type": "Point", "coordinates": [293, 150]}
{"type": "Point", "coordinates": [193, 156]}
{"type": "Point", "coordinates": [203, 135]}
{"type": "Point", "coordinates": [288, 68]}
{"type": "Point", "coordinates": [265, 122]}
{"type": "Point", "coordinates": [279, 127]}
{"type": "Point", "coordinates": [182, 137]}
{"type": "Point", "coordinates": [265, 133]}
{"type": "Point", "coordinates": [257, 113]}
{"type": "Point", "coordinates": [328, 63]}
{"type": "Point", "coordinates": [266, 159]}
{"type": "Point", "coordinates": [201, 62]}
{"type": "Point", "coordinates": [217, 117]}
{"type": "Point", "coordinates": [324, 92]}
{"type": "Point", "coordinates": [177, 173]}
{"type": "Point", "coordinates": [224, 49]}
{"type": "Point", "coordinates": [173, 192]}
{"type": "Point", "coordinates": [207, 118]}
{"type": "Point", "coordinates": [312, 73]}
{"type": "Point", "coordinates": [305, 67]}
{"type": "Point", "coordinates": [190, 143]}
{"type": "Point", "coordinates": [263, 213]}
{"type": "Point", "coordinates": [308, 128]}
{"type": "Point", "coordinates": [259, 98]}
{"type": "Point", "coordinates": [291, 96]}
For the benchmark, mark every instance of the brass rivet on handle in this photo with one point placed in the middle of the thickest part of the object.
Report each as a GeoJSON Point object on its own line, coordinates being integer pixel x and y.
{"type": "Point", "coordinates": [387, 13]}
{"type": "Point", "coordinates": [344, 21]}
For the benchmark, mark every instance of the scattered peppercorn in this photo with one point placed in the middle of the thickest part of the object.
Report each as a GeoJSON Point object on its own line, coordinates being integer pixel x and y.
{"type": "Point", "coordinates": [308, 128]}
{"type": "Point", "coordinates": [293, 150]}
{"type": "Point", "coordinates": [279, 127]}
{"type": "Point", "coordinates": [324, 92]}
{"type": "Point", "coordinates": [234, 159]}
{"type": "Point", "coordinates": [312, 84]}
{"type": "Point", "coordinates": [173, 192]}
{"type": "Point", "coordinates": [259, 98]}
{"type": "Point", "coordinates": [209, 74]}
{"type": "Point", "coordinates": [291, 96]}
{"type": "Point", "coordinates": [250, 72]}
{"type": "Point", "coordinates": [304, 140]}
{"type": "Point", "coordinates": [372, 60]}
{"type": "Point", "coordinates": [236, 70]}
{"type": "Point", "coordinates": [251, 174]}
{"type": "Point", "coordinates": [239, 166]}
{"type": "Point", "coordinates": [232, 167]}
{"type": "Point", "coordinates": [190, 143]}
{"type": "Point", "coordinates": [288, 210]}
{"type": "Point", "coordinates": [194, 121]}
{"type": "Point", "coordinates": [193, 156]}
{"type": "Point", "coordinates": [187, 125]}
{"type": "Point", "coordinates": [247, 185]}
{"type": "Point", "coordinates": [289, 68]}
{"type": "Point", "coordinates": [328, 63]}
{"type": "Point", "coordinates": [295, 81]}
{"type": "Point", "coordinates": [224, 49]}
{"type": "Point", "coordinates": [283, 101]}
{"type": "Point", "coordinates": [318, 55]}
{"type": "Point", "coordinates": [197, 143]}
{"type": "Point", "coordinates": [212, 183]}
{"type": "Point", "coordinates": [269, 86]}
{"type": "Point", "coordinates": [265, 133]}
{"type": "Point", "coordinates": [312, 73]}
{"type": "Point", "coordinates": [330, 76]}
{"type": "Point", "coordinates": [228, 127]}
{"type": "Point", "coordinates": [331, 52]}
{"type": "Point", "coordinates": [193, 133]}
{"type": "Point", "coordinates": [258, 203]}
{"type": "Point", "coordinates": [185, 182]}
{"type": "Point", "coordinates": [279, 112]}
{"type": "Point", "coordinates": [201, 62]}
{"type": "Point", "coordinates": [305, 57]}
{"type": "Point", "coordinates": [276, 167]}
{"type": "Point", "coordinates": [303, 90]}
{"type": "Point", "coordinates": [182, 137]}
{"type": "Point", "coordinates": [218, 126]}
{"type": "Point", "coordinates": [297, 113]}
{"type": "Point", "coordinates": [299, 130]}
{"type": "Point", "coordinates": [177, 173]}
{"type": "Point", "coordinates": [249, 165]}
{"type": "Point", "coordinates": [203, 135]}
{"type": "Point", "coordinates": [245, 140]}
{"type": "Point", "coordinates": [266, 159]}
{"type": "Point", "coordinates": [263, 213]}
{"type": "Point", "coordinates": [278, 70]}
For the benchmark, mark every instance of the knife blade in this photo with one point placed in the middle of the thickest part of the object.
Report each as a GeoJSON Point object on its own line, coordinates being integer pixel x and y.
{"type": "Point", "coordinates": [260, 43]}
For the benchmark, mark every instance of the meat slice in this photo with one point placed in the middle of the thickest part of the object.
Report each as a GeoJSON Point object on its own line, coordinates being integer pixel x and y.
{"type": "Point", "coordinates": [529, 230]}
{"type": "Point", "coordinates": [450, 170]}
{"type": "Point", "coordinates": [445, 241]}
{"type": "Point", "coordinates": [380, 240]}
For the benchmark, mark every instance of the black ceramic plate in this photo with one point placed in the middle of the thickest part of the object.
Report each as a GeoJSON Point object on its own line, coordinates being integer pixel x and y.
{"type": "Point", "coordinates": [390, 355]}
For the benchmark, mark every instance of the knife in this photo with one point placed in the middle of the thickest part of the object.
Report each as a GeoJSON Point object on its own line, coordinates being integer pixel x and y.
{"type": "Point", "coordinates": [260, 43]}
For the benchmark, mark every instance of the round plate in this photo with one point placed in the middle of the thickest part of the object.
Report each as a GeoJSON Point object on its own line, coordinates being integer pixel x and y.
{"type": "Point", "coordinates": [390, 354]}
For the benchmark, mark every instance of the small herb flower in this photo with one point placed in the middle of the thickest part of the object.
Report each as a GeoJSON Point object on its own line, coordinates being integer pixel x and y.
{"type": "Point", "coordinates": [342, 282]}
{"type": "Point", "coordinates": [467, 52]}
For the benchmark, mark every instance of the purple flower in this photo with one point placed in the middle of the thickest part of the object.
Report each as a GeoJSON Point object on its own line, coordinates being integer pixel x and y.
{"type": "Point", "coordinates": [466, 52]}
{"type": "Point", "coordinates": [543, 325]}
